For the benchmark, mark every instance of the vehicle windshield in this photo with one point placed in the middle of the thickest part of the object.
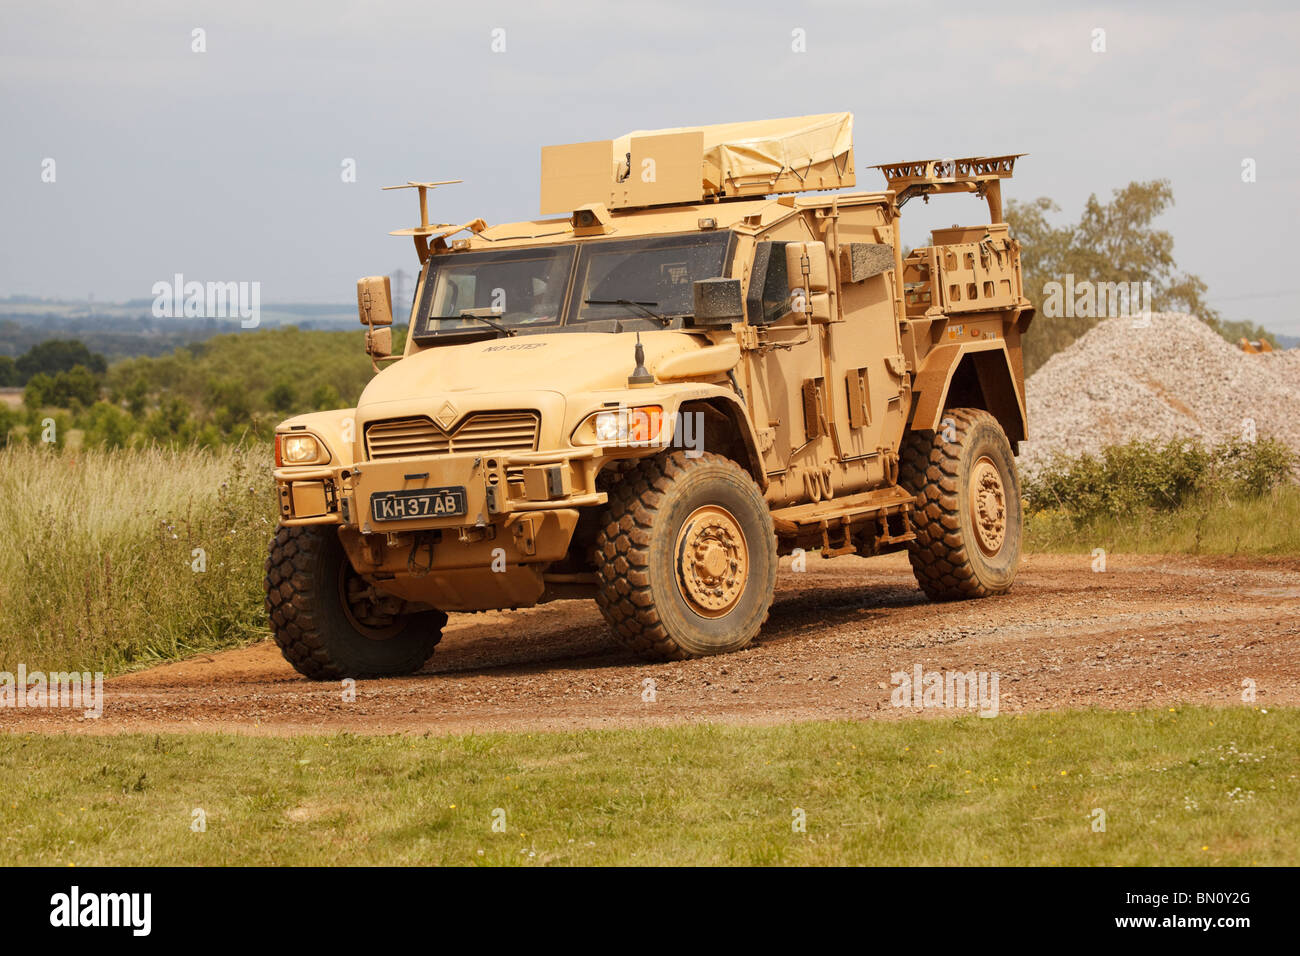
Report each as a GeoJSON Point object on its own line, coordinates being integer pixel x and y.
{"type": "Point", "coordinates": [616, 284]}
{"type": "Point", "coordinates": [517, 288]}
{"type": "Point", "coordinates": [642, 278]}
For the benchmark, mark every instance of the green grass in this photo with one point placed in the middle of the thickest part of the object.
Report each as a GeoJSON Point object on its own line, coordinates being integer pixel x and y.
{"type": "Point", "coordinates": [1179, 787]}
{"type": "Point", "coordinates": [1209, 524]}
{"type": "Point", "coordinates": [99, 568]}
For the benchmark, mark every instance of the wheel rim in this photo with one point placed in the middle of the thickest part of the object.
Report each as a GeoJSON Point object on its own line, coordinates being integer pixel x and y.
{"type": "Point", "coordinates": [712, 561]}
{"type": "Point", "coordinates": [365, 608]}
{"type": "Point", "coordinates": [988, 506]}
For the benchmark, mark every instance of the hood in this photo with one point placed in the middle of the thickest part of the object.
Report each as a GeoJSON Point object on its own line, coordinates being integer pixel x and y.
{"type": "Point", "coordinates": [564, 362]}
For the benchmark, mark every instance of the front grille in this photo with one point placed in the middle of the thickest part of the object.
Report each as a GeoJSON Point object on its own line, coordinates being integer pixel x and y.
{"type": "Point", "coordinates": [483, 431]}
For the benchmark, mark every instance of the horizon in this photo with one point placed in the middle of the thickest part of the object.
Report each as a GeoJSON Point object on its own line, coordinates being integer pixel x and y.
{"type": "Point", "coordinates": [232, 163]}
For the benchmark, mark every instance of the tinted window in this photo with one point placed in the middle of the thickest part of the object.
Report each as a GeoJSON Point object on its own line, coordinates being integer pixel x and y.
{"type": "Point", "coordinates": [517, 288]}
{"type": "Point", "coordinates": [623, 279]}
{"type": "Point", "coordinates": [769, 292]}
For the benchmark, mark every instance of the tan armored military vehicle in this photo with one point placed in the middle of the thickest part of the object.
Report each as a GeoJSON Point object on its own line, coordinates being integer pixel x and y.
{"type": "Point", "coordinates": [703, 356]}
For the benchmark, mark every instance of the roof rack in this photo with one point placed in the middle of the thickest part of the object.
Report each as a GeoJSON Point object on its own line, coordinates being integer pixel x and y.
{"type": "Point", "coordinates": [981, 175]}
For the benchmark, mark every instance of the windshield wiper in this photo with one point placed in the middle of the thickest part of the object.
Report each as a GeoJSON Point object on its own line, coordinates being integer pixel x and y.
{"type": "Point", "coordinates": [483, 318]}
{"type": "Point", "coordinates": [661, 319]}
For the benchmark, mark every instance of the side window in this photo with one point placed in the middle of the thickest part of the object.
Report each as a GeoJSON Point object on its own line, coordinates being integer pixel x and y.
{"type": "Point", "coordinates": [769, 290]}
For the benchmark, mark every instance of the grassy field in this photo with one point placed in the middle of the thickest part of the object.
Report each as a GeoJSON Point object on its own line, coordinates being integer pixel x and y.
{"type": "Point", "coordinates": [115, 560]}
{"type": "Point", "coordinates": [1210, 524]}
{"type": "Point", "coordinates": [1178, 787]}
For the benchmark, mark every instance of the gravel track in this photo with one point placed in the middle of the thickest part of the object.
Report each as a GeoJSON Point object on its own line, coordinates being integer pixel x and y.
{"type": "Point", "coordinates": [1151, 630]}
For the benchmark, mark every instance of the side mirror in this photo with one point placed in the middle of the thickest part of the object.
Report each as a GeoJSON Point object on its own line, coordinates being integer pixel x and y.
{"type": "Point", "coordinates": [375, 301]}
{"type": "Point", "coordinates": [718, 302]}
{"type": "Point", "coordinates": [379, 343]}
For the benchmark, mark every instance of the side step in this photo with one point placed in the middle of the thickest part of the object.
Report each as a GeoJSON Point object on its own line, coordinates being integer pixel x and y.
{"type": "Point", "coordinates": [818, 517]}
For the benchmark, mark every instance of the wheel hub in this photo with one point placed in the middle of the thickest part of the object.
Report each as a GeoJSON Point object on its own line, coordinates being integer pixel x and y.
{"type": "Point", "coordinates": [712, 561]}
{"type": "Point", "coordinates": [377, 616]}
{"type": "Point", "coordinates": [988, 506]}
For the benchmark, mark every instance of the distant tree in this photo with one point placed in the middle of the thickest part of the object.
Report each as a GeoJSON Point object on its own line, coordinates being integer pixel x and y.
{"type": "Point", "coordinates": [282, 396]}
{"type": "Point", "coordinates": [137, 396]}
{"type": "Point", "coordinates": [39, 391]}
{"type": "Point", "coordinates": [59, 355]}
{"type": "Point", "coordinates": [8, 372]}
{"type": "Point", "coordinates": [76, 388]}
{"type": "Point", "coordinates": [108, 426]}
{"type": "Point", "coordinates": [230, 406]}
{"type": "Point", "coordinates": [170, 423]}
{"type": "Point", "coordinates": [325, 397]}
{"type": "Point", "coordinates": [1111, 242]}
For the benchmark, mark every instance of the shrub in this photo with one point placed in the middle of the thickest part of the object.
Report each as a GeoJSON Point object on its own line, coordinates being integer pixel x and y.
{"type": "Point", "coordinates": [76, 388]}
{"type": "Point", "coordinates": [1138, 476]}
{"type": "Point", "coordinates": [1256, 468]}
{"type": "Point", "coordinates": [108, 426]}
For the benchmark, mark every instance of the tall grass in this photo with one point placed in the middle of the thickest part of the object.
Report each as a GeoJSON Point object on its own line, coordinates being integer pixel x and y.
{"type": "Point", "coordinates": [117, 559]}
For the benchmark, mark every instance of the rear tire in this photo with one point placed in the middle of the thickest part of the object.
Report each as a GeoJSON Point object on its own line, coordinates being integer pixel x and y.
{"type": "Point", "coordinates": [324, 634]}
{"type": "Point", "coordinates": [967, 519]}
{"type": "Point", "coordinates": [686, 558]}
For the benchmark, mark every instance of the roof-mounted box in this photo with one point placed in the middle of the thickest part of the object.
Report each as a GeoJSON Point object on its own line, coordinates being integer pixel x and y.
{"type": "Point", "coordinates": [700, 163]}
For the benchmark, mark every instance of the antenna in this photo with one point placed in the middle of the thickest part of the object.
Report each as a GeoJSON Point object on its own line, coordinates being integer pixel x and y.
{"type": "Point", "coordinates": [427, 230]}
{"type": "Point", "coordinates": [424, 228]}
{"type": "Point", "coordinates": [640, 375]}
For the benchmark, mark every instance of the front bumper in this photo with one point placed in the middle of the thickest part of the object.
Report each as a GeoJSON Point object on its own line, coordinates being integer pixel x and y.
{"type": "Point", "coordinates": [522, 511]}
{"type": "Point", "coordinates": [496, 487]}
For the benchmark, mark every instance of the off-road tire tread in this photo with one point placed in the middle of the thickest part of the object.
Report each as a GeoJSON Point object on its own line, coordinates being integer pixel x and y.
{"type": "Point", "coordinates": [291, 594]}
{"type": "Point", "coordinates": [931, 468]}
{"type": "Point", "coordinates": [622, 562]}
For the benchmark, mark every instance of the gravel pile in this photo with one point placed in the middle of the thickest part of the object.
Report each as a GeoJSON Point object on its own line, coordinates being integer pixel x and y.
{"type": "Point", "coordinates": [1177, 378]}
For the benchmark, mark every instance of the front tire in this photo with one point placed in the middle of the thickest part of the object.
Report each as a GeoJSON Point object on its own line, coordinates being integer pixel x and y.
{"type": "Point", "coordinates": [327, 620]}
{"type": "Point", "coordinates": [968, 518]}
{"type": "Point", "coordinates": [686, 558]}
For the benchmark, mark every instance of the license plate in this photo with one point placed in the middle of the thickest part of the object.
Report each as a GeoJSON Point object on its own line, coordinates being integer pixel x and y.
{"type": "Point", "coordinates": [424, 503]}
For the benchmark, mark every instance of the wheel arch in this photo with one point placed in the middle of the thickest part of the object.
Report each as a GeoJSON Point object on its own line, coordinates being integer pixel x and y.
{"type": "Point", "coordinates": [732, 433]}
{"type": "Point", "coordinates": [975, 375]}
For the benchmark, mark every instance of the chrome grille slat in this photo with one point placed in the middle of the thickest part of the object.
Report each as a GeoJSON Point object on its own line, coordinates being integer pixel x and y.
{"type": "Point", "coordinates": [481, 431]}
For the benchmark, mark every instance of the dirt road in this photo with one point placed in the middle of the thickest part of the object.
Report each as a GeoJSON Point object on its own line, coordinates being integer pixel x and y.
{"type": "Point", "coordinates": [1149, 630]}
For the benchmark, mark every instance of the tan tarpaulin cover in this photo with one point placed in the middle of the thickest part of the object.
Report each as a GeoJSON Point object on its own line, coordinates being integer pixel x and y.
{"type": "Point", "coordinates": [764, 149]}
{"type": "Point", "coordinates": [696, 163]}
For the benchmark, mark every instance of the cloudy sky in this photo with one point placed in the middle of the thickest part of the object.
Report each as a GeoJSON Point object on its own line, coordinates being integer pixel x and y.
{"type": "Point", "coordinates": [226, 164]}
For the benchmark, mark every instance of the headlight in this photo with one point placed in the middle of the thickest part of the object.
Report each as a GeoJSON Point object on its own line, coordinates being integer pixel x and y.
{"type": "Point", "coordinates": [607, 429]}
{"type": "Point", "coordinates": [621, 426]}
{"type": "Point", "coordinates": [299, 450]}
